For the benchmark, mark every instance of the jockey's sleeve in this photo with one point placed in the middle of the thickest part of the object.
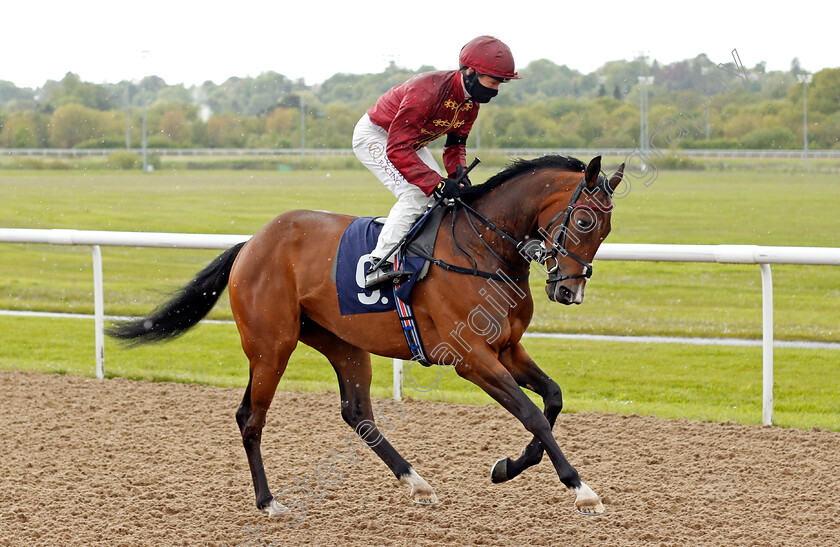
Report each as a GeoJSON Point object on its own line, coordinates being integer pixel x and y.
{"type": "Point", "coordinates": [404, 131]}
{"type": "Point", "coordinates": [455, 148]}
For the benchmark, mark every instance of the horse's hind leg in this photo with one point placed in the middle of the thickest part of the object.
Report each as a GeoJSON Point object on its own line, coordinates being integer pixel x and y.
{"type": "Point", "coordinates": [352, 366]}
{"type": "Point", "coordinates": [268, 341]}
{"type": "Point", "coordinates": [266, 371]}
{"type": "Point", "coordinates": [528, 375]}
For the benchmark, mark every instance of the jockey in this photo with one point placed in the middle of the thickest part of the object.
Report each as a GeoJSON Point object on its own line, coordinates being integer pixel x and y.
{"type": "Point", "coordinates": [391, 138]}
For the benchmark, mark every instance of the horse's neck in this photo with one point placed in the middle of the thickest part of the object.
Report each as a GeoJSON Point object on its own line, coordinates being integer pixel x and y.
{"type": "Point", "coordinates": [515, 205]}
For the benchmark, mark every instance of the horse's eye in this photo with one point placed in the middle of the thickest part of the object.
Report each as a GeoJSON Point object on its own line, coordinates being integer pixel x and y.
{"type": "Point", "coordinates": [584, 223]}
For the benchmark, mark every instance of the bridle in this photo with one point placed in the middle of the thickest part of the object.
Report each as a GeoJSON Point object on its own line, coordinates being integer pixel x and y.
{"type": "Point", "coordinates": [538, 252]}
{"type": "Point", "coordinates": [558, 246]}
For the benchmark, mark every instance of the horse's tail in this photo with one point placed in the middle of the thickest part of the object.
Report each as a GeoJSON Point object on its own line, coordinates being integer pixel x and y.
{"type": "Point", "coordinates": [185, 309]}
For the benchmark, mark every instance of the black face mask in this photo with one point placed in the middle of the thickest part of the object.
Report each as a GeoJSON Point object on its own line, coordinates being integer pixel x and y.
{"type": "Point", "coordinates": [479, 93]}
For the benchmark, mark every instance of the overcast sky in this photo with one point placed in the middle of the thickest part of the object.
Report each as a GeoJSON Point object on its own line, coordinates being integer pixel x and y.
{"type": "Point", "coordinates": [191, 42]}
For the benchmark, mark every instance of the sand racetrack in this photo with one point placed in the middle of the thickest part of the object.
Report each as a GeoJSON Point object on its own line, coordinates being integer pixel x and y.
{"type": "Point", "coordinates": [117, 462]}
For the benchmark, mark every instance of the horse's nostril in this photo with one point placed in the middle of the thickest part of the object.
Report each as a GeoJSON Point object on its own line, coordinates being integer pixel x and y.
{"type": "Point", "coordinates": [567, 293]}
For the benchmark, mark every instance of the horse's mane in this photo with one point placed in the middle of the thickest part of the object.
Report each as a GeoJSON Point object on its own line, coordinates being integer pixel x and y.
{"type": "Point", "coordinates": [519, 167]}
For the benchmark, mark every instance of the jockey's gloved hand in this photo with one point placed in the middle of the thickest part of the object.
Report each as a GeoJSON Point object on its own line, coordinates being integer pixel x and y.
{"type": "Point", "coordinates": [459, 175]}
{"type": "Point", "coordinates": [448, 188]}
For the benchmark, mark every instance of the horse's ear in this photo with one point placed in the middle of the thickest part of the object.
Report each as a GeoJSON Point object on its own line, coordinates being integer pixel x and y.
{"type": "Point", "coordinates": [592, 171]}
{"type": "Point", "coordinates": [615, 180]}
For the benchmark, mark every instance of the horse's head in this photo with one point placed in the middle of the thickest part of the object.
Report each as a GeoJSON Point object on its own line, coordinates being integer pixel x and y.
{"type": "Point", "coordinates": [572, 227]}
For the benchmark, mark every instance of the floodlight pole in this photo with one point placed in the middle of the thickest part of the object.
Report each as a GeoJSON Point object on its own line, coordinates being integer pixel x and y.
{"type": "Point", "coordinates": [644, 81]}
{"type": "Point", "coordinates": [128, 116]}
{"type": "Point", "coordinates": [143, 56]}
{"type": "Point", "coordinates": [805, 79]}
{"type": "Point", "coordinates": [145, 157]}
{"type": "Point", "coordinates": [302, 126]}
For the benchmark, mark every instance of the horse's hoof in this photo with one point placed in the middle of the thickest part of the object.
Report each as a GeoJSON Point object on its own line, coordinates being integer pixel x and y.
{"type": "Point", "coordinates": [421, 492]}
{"type": "Point", "coordinates": [591, 507]}
{"type": "Point", "coordinates": [275, 509]}
{"type": "Point", "coordinates": [587, 502]}
{"type": "Point", "coordinates": [422, 497]}
{"type": "Point", "coordinates": [499, 472]}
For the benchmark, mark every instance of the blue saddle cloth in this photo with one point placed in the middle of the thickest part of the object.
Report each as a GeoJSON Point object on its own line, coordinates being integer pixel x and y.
{"type": "Point", "coordinates": [353, 260]}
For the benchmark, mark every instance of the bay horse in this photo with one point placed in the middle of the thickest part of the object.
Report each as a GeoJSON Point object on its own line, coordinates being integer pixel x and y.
{"type": "Point", "coordinates": [553, 210]}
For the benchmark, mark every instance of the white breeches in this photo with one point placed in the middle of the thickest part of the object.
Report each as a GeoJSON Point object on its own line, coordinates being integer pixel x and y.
{"type": "Point", "coordinates": [369, 143]}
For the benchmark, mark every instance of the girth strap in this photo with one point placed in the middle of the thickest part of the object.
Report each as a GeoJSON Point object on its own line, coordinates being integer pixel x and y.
{"type": "Point", "coordinates": [409, 323]}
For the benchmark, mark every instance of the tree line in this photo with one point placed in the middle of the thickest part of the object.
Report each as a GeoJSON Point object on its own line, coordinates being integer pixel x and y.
{"type": "Point", "coordinates": [553, 106]}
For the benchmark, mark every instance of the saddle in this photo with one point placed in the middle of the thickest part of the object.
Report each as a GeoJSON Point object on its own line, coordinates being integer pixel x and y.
{"type": "Point", "coordinates": [352, 260]}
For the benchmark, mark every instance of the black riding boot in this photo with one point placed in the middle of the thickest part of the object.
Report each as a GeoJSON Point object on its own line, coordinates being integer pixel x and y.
{"type": "Point", "coordinates": [384, 273]}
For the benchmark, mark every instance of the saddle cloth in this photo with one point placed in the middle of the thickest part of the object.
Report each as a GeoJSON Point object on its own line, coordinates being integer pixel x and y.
{"type": "Point", "coordinates": [352, 260]}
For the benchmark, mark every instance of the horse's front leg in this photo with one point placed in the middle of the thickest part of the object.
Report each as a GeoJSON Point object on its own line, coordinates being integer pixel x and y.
{"type": "Point", "coordinates": [488, 373]}
{"type": "Point", "coordinates": [528, 375]}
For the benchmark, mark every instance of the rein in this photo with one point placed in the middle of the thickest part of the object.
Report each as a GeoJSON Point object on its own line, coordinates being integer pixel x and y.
{"type": "Point", "coordinates": [540, 255]}
{"type": "Point", "coordinates": [474, 270]}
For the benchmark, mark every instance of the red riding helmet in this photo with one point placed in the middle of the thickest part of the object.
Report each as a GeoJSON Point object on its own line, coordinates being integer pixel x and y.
{"type": "Point", "coordinates": [490, 56]}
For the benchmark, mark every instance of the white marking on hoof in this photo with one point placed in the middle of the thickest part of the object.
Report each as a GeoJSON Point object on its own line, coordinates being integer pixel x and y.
{"type": "Point", "coordinates": [587, 502]}
{"type": "Point", "coordinates": [275, 509]}
{"type": "Point", "coordinates": [421, 492]}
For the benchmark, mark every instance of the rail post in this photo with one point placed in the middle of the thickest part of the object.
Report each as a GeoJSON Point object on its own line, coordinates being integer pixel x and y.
{"type": "Point", "coordinates": [767, 344]}
{"type": "Point", "coordinates": [398, 379]}
{"type": "Point", "coordinates": [98, 311]}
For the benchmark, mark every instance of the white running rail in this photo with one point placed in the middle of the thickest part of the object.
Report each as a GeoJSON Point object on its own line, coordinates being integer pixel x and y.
{"type": "Point", "coordinates": [726, 254]}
